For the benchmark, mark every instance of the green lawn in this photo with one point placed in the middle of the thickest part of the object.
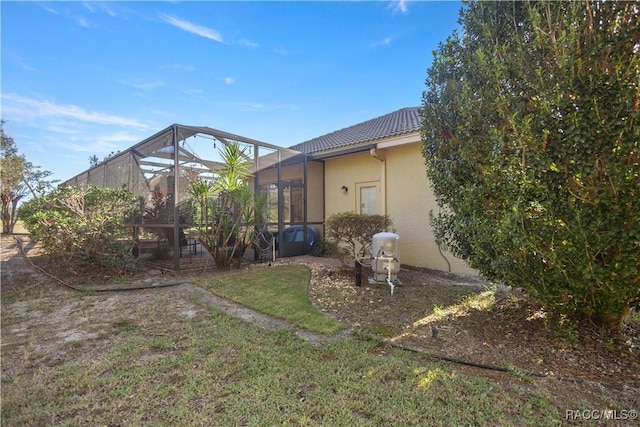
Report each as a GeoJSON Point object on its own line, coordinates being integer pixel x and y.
{"type": "Point", "coordinates": [174, 360]}
{"type": "Point", "coordinates": [212, 369]}
{"type": "Point", "coordinates": [280, 291]}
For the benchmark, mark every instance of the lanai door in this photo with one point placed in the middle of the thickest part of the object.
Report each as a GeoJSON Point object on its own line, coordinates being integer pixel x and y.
{"type": "Point", "coordinates": [293, 235]}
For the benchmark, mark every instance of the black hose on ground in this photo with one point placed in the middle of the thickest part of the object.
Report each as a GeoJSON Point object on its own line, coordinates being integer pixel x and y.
{"type": "Point", "coordinates": [95, 289]}
{"type": "Point", "coordinates": [613, 386]}
{"type": "Point", "coordinates": [462, 361]}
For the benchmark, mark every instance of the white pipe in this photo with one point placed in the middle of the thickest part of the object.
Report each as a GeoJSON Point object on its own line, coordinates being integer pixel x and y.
{"type": "Point", "coordinates": [389, 281]}
{"type": "Point", "coordinates": [383, 178]}
{"type": "Point", "coordinates": [375, 154]}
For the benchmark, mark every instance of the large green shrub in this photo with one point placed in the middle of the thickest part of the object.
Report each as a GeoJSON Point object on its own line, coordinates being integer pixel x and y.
{"type": "Point", "coordinates": [84, 229]}
{"type": "Point", "coordinates": [350, 234]}
{"type": "Point", "coordinates": [531, 139]}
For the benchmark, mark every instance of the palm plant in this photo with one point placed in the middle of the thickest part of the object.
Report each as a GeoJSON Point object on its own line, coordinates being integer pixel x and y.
{"type": "Point", "coordinates": [228, 211]}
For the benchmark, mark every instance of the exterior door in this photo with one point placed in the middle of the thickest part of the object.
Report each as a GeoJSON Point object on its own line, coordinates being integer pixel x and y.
{"type": "Point", "coordinates": [368, 197]}
{"type": "Point", "coordinates": [292, 242]}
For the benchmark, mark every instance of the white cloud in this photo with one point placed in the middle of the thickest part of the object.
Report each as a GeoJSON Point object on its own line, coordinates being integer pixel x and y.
{"type": "Point", "coordinates": [29, 109]}
{"type": "Point", "coordinates": [143, 85]}
{"type": "Point", "coordinates": [258, 106]}
{"type": "Point", "coordinates": [59, 128]}
{"type": "Point", "coordinates": [82, 147]}
{"type": "Point", "coordinates": [99, 144]}
{"type": "Point", "coordinates": [205, 32]}
{"type": "Point", "coordinates": [398, 6]}
{"type": "Point", "coordinates": [47, 8]}
{"type": "Point", "coordinates": [192, 92]}
{"type": "Point", "coordinates": [20, 62]}
{"type": "Point", "coordinates": [81, 21]}
{"type": "Point", "coordinates": [91, 7]}
{"type": "Point", "coordinates": [185, 67]}
{"type": "Point", "coordinates": [229, 80]}
{"type": "Point", "coordinates": [95, 7]}
{"type": "Point", "coordinates": [78, 19]}
{"type": "Point", "coordinates": [162, 113]}
{"type": "Point", "coordinates": [281, 51]}
{"type": "Point", "coordinates": [120, 137]}
{"type": "Point", "coordinates": [384, 42]}
{"type": "Point", "coordinates": [190, 27]}
{"type": "Point", "coordinates": [248, 43]}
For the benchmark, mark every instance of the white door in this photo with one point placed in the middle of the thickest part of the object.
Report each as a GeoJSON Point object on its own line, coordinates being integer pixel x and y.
{"type": "Point", "coordinates": [368, 195]}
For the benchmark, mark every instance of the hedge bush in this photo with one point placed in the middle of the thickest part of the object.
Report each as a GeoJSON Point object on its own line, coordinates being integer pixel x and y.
{"type": "Point", "coordinates": [350, 234]}
{"type": "Point", "coordinates": [84, 229]}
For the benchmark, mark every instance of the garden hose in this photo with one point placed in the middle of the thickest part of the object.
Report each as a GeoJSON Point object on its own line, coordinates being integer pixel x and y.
{"type": "Point", "coordinates": [99, 288]}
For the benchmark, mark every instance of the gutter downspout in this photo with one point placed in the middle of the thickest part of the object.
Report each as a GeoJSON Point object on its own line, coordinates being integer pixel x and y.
{"type": "Point", "coordinates": [383, 179]}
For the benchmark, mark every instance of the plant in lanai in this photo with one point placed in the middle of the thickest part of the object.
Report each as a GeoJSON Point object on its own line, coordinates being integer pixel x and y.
{"type": "Point", "coordinates": [228, 210]}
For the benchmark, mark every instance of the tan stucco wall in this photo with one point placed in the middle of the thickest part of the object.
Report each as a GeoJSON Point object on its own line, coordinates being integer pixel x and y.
{"type": "Point", "coordinates": [315, 193]}
{"type": "Point", "coordinates": [347, 171]}
{"type": "Point", "coordinates": [407, 199]}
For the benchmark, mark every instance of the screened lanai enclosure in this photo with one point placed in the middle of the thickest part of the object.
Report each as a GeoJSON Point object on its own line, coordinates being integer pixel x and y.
{"type": "Point", "coordinates": [166, 170]}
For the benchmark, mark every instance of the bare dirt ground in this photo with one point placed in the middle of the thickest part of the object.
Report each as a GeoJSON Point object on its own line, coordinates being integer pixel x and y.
{"type": "Point", "coordinates": [488, 331]}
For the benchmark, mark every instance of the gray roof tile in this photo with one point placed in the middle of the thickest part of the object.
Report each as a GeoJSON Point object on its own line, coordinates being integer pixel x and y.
{"type": "Point", "coordinates": [403, 121]}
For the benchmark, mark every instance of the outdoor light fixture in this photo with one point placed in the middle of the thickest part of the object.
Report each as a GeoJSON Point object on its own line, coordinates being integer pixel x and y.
{"type": "Point", "coordinates": [344, 189]}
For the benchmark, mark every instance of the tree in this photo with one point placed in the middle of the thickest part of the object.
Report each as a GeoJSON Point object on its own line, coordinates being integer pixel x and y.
{"type": "Point", "coordinates": [530, 128]}
{"type": "Point", "coordinates": [94, 161]}
{"type": "Point", "coordinates": [18, 178]}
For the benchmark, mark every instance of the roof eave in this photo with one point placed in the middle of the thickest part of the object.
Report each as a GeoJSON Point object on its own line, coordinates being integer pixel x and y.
{"type": "Point", "coordinates": [321, 155]}
{"type": "Point", "coordinates": [408, 138]}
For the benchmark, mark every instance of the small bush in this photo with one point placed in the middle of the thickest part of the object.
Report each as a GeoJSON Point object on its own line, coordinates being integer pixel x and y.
{"type": "Point", "coordinates": [321, 248]}
{"type": "Point", "coordinates": [351, 234]}
{"type": "Point", "coordinates": [161, 253]}
{"type": "Point", "coordinates": [82, 229]}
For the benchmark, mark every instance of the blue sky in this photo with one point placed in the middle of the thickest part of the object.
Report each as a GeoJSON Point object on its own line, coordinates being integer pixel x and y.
{"type": "Point", "coordinates": [90, 78]}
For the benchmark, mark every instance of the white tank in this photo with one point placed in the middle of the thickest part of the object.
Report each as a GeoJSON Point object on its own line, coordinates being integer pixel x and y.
{"type": "Point", "coordinates": [386, 255]}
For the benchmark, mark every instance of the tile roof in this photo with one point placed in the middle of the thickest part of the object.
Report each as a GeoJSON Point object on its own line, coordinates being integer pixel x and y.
{"type": "Point", "coordinates": [403, 121]}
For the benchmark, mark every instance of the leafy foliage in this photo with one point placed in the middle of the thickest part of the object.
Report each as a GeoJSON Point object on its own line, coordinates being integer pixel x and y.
{"type": "Point", "coordinates": [18, 178]}
{"type": "Point", "coordinates": [94, 161]}
{"type": "Point", "coordinates": [228, 212]}
{"type": "Point", "coordinates": [531, 141]}
{"type": "Point", "coordinates": [350, 234]}
{"type": "Point", "coordinates": [84, 229]}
